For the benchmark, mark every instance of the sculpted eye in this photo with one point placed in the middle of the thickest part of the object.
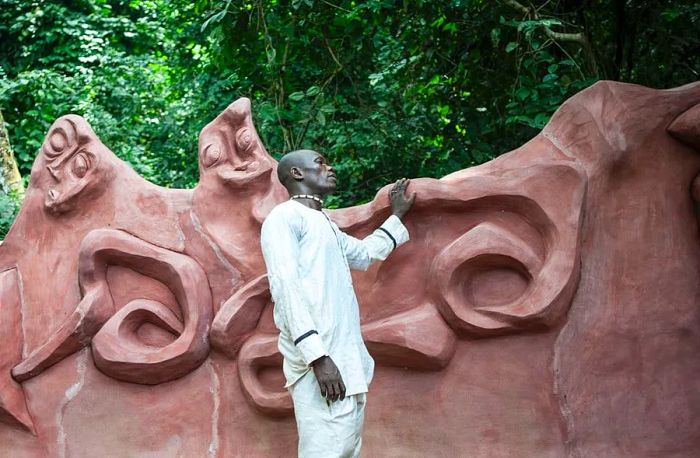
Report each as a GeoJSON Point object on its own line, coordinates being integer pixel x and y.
{"type": "Point", "coordinates": [211, 155]}
{"type": "Point", "coordinates": [244, 139]}
{"type": "Point", "coordinates": [80, 165]}
{"type": "Point", "coordinates": [58, 141]}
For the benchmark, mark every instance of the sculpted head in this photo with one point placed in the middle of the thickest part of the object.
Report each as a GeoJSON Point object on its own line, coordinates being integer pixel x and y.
{"type": "Point", "coordinates": [230, 150]}
{"type": "Point", "coordinates": [72, 164]}
{"type": "Point", "coordinates": [306, 172]}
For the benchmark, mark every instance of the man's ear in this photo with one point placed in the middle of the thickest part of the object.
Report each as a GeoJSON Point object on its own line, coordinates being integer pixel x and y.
{"type": "Point", "coordinates": [296, 173]}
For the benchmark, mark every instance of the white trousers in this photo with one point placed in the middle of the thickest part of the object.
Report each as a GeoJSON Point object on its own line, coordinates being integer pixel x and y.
{"type": "Point", "coordinates": [327, 431]}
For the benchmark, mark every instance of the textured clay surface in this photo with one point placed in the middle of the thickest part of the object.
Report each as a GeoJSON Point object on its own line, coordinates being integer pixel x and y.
{"type": "Point", "coordinates": [547, 304]}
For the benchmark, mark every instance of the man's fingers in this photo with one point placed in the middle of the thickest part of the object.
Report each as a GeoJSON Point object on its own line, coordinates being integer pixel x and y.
{"type": "Point", "coordinates": [342, 390]}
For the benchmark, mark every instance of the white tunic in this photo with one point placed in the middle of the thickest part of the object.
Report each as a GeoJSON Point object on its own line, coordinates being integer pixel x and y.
{"type": "Point", "coordinates": [308, 261]}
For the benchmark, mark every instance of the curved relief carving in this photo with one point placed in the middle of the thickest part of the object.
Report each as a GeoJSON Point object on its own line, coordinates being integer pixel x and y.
{"type": "Point", "coordinates": [490, 280]}
{"type": "Point", "coordinates": [518, 267]}
{"type": "Point", "coordinates": [686, 127]}
{"type": "Point", "coordinates": [418, 339]}
{"type": "Point", "coordinates": [239, 316]}
{"type": "Point", "coordinates": [116, 349]}
{"type": "Point", "coordinates": [257, 354]}
{"type": "Point", "coordinates": [513, 269]}
{"type": "Point", "coordinates": [13, 406]}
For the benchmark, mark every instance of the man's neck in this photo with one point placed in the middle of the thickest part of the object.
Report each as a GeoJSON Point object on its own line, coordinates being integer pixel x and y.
{"type": "Point", "coordinates": [313, 201]}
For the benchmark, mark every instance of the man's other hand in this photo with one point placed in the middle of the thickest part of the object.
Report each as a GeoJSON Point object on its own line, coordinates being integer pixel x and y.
{"type": "Point", "coordinates": [329, 379]}
{"type": "Point", "coordinates": [400, 202]}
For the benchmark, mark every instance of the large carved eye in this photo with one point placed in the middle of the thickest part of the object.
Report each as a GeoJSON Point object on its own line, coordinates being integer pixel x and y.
{"type": "Point", "coordinates": [58, 140]}
{"type": "Point", "coordinates": [211, 155]}
{"type": "Point", "coordinates": [61, 139]}
{"type": "Point", "coordinates": [244, 139]}
{"type": "Point", "coordinates": [80, 165]}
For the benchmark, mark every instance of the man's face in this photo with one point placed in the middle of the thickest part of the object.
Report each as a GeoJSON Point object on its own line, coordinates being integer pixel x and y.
{"type": "Point", "coordinates": [318, 175]}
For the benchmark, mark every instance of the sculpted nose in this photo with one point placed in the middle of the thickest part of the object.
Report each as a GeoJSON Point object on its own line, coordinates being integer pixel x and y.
{"type": "Point", "coordinates": [52, 172]}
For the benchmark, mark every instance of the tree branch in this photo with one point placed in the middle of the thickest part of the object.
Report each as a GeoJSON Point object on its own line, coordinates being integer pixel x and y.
{"type": "Point", "coordinates": [513, 4]}
{"type": "Point", "coordinates": [578, 37]}
{"type": "Point", "coordinates": [278, 85]}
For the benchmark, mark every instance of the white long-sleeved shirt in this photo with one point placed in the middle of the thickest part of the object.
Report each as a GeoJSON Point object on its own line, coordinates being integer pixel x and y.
{"type": "Point", "coordinates": [308, 261]}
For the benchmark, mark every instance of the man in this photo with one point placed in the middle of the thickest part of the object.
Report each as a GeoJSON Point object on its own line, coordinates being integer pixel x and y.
{"type": "Point", "coordinates": [308, 263]}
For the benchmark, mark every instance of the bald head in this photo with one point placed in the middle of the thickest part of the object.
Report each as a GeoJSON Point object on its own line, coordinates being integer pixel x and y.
{"type": "Point", "coordinates": [293, 159]}
{"type": "Point", "coordinates": [306, 172]}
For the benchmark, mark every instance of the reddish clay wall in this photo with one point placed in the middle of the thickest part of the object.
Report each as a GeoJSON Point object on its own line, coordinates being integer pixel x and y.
{"type": "Point", "coordinates": [547, 304]}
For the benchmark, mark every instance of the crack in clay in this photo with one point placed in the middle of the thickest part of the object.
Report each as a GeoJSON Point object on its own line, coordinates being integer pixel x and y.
{"type": "Point", "coordinates": [22, 314]}
{"type": "Point", "coordinates": [564, 409]}
{"type": "Point", "coordinates": [554, 140]}
{"type": "Point", "coordinates": [215, 248]}
{"type": "Point", "coordinates": [214, 390]}
{"type": "Point", "coordinates": [70, 394]}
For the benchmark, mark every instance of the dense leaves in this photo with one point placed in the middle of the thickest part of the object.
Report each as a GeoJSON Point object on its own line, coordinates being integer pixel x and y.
{"type": "Point", "coordinates": [385, 88]}
{"type": "Point", "coordinates": [133, 69]}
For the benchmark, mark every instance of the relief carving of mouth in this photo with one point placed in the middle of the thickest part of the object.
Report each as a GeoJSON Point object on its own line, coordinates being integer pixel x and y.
{"type": "Point", "coordinates": [244, 173]}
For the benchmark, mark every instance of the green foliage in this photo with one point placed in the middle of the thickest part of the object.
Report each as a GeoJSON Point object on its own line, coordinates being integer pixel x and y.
{"type": "Point", "coordinates": [134, 70]}
{"type": "Point", "coordinates": [384, 88]}
{"type": "Point", "coordinates": [9, 207]}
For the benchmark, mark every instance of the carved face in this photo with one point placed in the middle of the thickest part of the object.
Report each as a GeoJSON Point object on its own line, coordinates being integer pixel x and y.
{"type": "Point", "coordinates": [231, 151]}
{"type": "Point", "coordinates": [72, 166]}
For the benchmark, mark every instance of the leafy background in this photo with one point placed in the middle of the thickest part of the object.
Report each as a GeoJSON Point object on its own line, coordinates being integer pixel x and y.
{"type": "Point", "coordinates": [384, 88]}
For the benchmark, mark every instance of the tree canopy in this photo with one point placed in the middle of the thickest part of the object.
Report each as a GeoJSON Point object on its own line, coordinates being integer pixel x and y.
{"type": "Point", "coordinates": [384, 88]}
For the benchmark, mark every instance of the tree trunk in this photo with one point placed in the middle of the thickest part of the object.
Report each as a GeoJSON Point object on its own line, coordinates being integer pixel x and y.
{"type": "Point", "coordinates": [10, 179]}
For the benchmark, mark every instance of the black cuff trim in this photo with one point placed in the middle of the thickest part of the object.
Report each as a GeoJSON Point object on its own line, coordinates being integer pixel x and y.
{"type": "Point", "coordinates": [304, 336]}
{"type": "Point", "coordinates": [393, 240]}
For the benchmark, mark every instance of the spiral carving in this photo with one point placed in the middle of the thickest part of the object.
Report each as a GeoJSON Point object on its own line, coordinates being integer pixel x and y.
{"type": "Point", "coordinates": [116, 347]}
{"type": "Point", "coordinates": [493, 280]}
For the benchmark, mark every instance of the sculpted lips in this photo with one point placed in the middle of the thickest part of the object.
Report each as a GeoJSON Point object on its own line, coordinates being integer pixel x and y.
{"type": "Point", "coordinates": [243, 173]}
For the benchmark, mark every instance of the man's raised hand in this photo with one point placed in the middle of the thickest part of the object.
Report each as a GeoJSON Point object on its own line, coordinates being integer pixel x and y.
{"type": "Point", "coordinates": [400, 202]}
{"type": "Point", "coordinates": [329, 379]}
